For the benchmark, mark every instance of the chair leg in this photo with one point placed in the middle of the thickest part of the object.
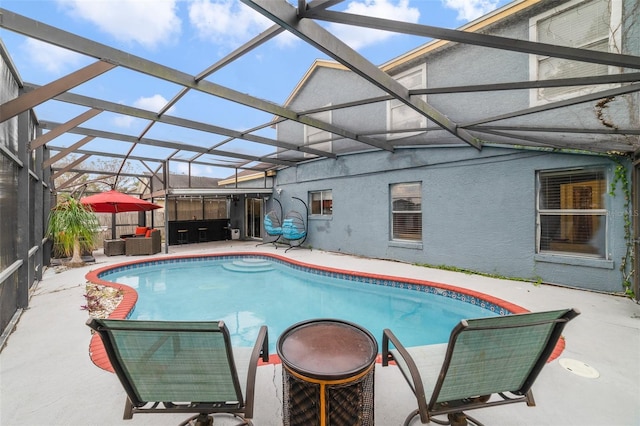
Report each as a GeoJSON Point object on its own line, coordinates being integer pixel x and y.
{"type": "Point", "coordinates": [457, 419]}
{"type": "Point", "coordinates": [410, 417]}
{"type": "Point", "coordinates": [473, 421]}
{"type": "Point", "coordinates": [201, 419]}
{"type": "Point", "coordinates": [128, 410]}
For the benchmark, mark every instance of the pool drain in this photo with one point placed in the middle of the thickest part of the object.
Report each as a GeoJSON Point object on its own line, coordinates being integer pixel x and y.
{"type": "Point", "coordinates": [580, 368]}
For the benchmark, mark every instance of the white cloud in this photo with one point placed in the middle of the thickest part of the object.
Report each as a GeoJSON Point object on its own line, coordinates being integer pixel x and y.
{"type": "Point", "coordinates": [226, 22]}
{"type": "Point", "coordinates": [51, 58]}
{"type": "Point", "coordinates": [180, 168]}
{"type": "Point", "coordinates": [123, 121]}
{"type": "Point", "coordinates": [357, 37]}
{"type": "Point", "coordinates": [468, 10]}
{"type": "Point", "coordinates": [153, 103]}
{"type": "Point", "coordinates": [148, 23]}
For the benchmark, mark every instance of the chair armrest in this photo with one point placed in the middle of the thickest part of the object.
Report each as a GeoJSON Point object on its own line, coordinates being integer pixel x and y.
{"type": "Point", "coordinates": [388, 336]}
{"type": "Point", "coordinates": [260, 350]}
{"type": "Point", "coordinates": [413, 377]}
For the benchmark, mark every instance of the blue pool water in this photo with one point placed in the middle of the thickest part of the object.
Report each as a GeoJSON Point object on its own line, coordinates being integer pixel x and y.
{"type": "Point", "coordinates": [247, 293]}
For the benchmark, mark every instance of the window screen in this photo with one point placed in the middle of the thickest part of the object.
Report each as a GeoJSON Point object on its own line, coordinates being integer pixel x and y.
{"type": "Point", "coordinates": [402, 116]}
{"type": "Point", "coordinates": [571, 212]}
{"type": "Point", "coordinates": [321, 202]}
{"type": "Point", "coordinates": [406, 211]}
{"type": "Point", "coordinates": [317, 138]}
{"type": "Point", "coordinates": [586, 26]}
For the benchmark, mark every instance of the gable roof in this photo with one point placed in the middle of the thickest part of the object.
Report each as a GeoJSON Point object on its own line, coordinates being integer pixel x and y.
{"type": "Point", "coordinates": [477, 33]}
{"type": "Point", "coordinates": [477, 25]}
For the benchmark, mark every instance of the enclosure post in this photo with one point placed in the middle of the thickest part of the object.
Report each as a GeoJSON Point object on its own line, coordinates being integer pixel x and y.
{"type": "Point", "coordinates": [38, 213]}
{"type": "Point", "coordinates": [23, 226]}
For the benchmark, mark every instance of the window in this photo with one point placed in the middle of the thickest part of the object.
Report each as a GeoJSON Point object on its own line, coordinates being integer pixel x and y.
{"type": "Point", "coordinates": [401, 116]}
{"type": "Point", "coordinates": [572, 218]}
{"type": "Point", "coordinates": [317, 138]}
{"type": "Point", "coordinates": [581, 24]}
{"type": "Point", "coordinates": [321, 203]}
{"type": "Point", "coordinates": [406, 211]}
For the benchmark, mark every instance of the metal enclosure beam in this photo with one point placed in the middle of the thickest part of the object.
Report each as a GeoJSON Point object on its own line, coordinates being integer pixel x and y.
{"type": "Point", "coordinates": [478, 39]}
{"type": "Point", "coordinates": [164, 144]}
{"type": "Point", "coordinates": [64, 152]}
{"type": "Point", "coordinates": [578, 130]}
{"type": "Point", "coordinates": [63, 128]}
{"type": "Point", "coordinates": [559, 104]}
{"type": "Point", "coordinates": [247, 47]}
{"type": "Point", "coordinates": [31, 99]}
{"type": "Point", "coordinates": [149, 159]}
{"type": "Point", "coordinates": [69, 166]}
{"type": "Point", "coordinates": [285, 15]}
{"type": "Point", "coordinates": [37, 30]}
{"type": "Point", "coordinates": [176, 121]}
{"type": "Point", "coordinates": [69, 182]}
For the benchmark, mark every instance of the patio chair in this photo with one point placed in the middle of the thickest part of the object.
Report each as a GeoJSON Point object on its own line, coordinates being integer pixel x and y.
{"type": "Point", "coordinates": [500, 355]}
{"type": "Point", "coordinates": [272, 227]}
{"type": "Point", "coordinates": [273, 224]}
{"type": "Point", "coordinates": [182, 367]}
{"type": "Point", "coordinates": [139, 233]}
{"type": "Point", "coordinates": [294, 226]}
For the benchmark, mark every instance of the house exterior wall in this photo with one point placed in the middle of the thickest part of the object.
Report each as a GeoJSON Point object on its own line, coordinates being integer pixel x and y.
{"type": "Point", "coordinates": [330, 86]}
{"type": "Point", "coordinates": [478, 207]}
{"type": "Point", "coordinates": [459, 65]}
{"type": "Point", "coordinates": [479, 211]}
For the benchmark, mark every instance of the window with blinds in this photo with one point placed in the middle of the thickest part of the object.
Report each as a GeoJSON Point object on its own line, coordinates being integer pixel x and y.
{"type": "Point", "coordinates": [401, 116]}
{"type": "Point", "coordinates": [582, 24]}
{"type": "Point", "coordinates": [406, 211]}
{"type": "Point", "coordinates": [572, 217]}
{"type": "Point", "coordinates": [321, 203]}
{"type": "Point", "coordinates": [316, 138]}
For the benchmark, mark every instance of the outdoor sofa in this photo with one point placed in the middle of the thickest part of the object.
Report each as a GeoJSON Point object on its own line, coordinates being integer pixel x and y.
{"type": "Point", "coordinates": [151, 243]}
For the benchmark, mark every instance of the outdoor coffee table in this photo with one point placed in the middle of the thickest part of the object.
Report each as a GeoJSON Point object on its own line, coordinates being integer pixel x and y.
{"type": "Point", "coordinates": [114, 247]}
{"type": "Point", "coordinates": [328, 373]}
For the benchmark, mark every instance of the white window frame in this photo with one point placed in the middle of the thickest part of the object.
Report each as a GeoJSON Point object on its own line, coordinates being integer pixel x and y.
{"type": "Point", "coordinates": [323, 196]}
{"type": "Point", "coordinates": [395, 104]}
{"type": "Point", "coordinates": [614, 41]}
{"type": "Point", "coordinates": [313, 132]}
{"type": "Point", "coordinates": [600, 212]}
{"type": "Point", "coordinates": [404, 212]}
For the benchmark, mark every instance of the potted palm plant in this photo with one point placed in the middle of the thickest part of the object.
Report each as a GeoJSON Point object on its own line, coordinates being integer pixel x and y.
{"type": "Point", "coordinates": [73, 228]}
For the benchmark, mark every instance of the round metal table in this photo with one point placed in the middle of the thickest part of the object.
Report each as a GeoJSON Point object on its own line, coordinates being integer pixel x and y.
{"type": "Point", "coordinates": [328, 373]}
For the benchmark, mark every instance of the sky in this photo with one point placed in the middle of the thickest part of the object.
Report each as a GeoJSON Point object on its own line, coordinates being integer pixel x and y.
{"type": "Point", "coordinates": [191, 35]}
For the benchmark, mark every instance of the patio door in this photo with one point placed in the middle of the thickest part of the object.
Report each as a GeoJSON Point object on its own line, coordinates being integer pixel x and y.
{"type": "Point", "coordinates": [253, 218]}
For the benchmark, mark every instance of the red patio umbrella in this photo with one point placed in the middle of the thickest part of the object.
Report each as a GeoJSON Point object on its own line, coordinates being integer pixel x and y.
{"type": "Point", "coordinates": [117, 202]}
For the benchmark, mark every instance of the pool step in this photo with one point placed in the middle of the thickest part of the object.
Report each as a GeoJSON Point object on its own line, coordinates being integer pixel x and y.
{"type": "Point", "coordinates": [249, 265]}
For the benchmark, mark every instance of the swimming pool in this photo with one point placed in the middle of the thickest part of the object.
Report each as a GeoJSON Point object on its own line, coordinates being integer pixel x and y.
{"type": "Point", "coordinates": [247, 290]}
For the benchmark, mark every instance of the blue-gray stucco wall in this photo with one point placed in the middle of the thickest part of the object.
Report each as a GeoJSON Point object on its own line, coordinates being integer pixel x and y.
{"type": "Point", "coordinates": [479, 211]}
{"type": "Point", "coordinates": [458, 65]}
{"type": "Point", "coordinates": [479, 207]}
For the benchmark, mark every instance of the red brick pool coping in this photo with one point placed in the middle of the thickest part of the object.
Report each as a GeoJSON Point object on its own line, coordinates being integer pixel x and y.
{"type": "Point", "coordinates": [98, 354]}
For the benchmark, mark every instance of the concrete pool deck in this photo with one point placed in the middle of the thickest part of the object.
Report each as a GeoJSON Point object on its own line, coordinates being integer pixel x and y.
{"type": "Point", "coordinates": [47, 378]}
